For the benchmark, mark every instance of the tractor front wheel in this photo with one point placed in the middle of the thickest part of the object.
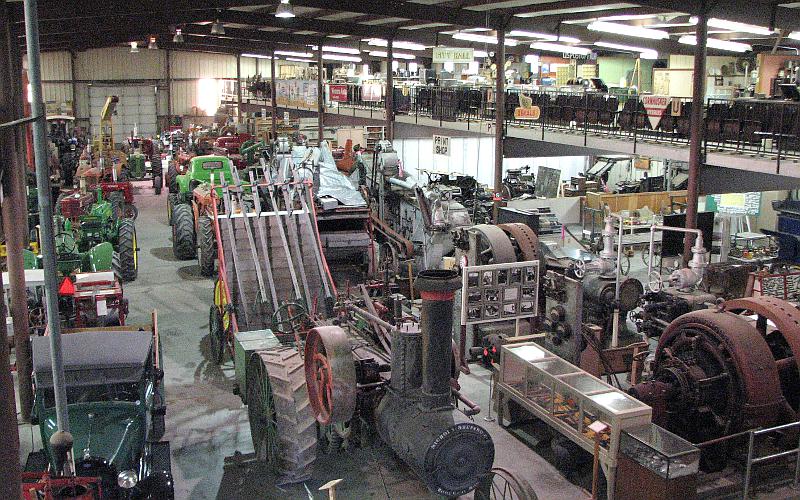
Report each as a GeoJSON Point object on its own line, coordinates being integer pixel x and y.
{"type": "Point", "coordinates": [172, 200]}
{"type": "Point", "coordinates": [127, 255]}
{"type": "Point", "coordinates": [117, 200]}
{"type": "Point", "coordinates": [172, 178]}
{"type": "Point", "coordinates": [217, 336]}
{"type": "Point", "coordinates": [183, 241]}
{"type": "Point", "coordinates": [206, 246]}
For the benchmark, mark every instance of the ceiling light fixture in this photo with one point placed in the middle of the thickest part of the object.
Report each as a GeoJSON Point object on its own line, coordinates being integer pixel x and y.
{"type": "Point", "coordinates": [178, 38]}
{"type": "Point", "coordinates": [297, 59]}
{"type": "Point", "coordinates": [340, 57]}
{"type": "Point", "coordinates": [395, 55]}
{"type": "Point", "coordinates": [152, 45]}
{"type": "Point", "coordinates": [543, 36]}
{"type": "Point", "coordinates": [794, 35]}
{"type": "Point", "coordinates": [134, 47]}
{"type": "Point", "coordinates": [380, 42]}
{"type": "Point", "coordinates": [257, 56]}
{"type": "Point", "coordinates": [722, 24]}
{"type": "Point", "coordinates": [644, 53]}
{"type": "Point", "coordinates": [293, 54]}
{"type": "Point", "coordinates": [471, 37]}
{"type": "Point", "coordinates": [341, 50]}
{"type": "Point", "coordinates": [556, 47]}
{"type": "Point", "coordinates": [627, 17]}
{"type": "Point", "coordinates": [628, 30]}
{"type": "Point", "coordinates": [217, 28]}
{"type": "Point", "coordinates": [716, 43]}
{"type": "Point", "coordinates": [284, 10]}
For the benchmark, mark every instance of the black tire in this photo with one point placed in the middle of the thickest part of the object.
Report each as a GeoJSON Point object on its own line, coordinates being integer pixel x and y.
{"type": "Point", "coordinates": [127, 261]}
{"type": "Point", "coordinates": [183, 241]}
{"type": "Point", "coordinates": [130, 211]}
{"type": "Point", "coordinates": [216, 334]}
{"type": "Point", "coordinates": [206, 246]}
{"type": "Point", "coordinates": [157, 184]}
{"type": "Point", "coordinates": [172, 200]}
{"type": "Point", "coordinates": [172, 177]}
{"type": "Point", "coordinates": [117, 200]}
{"type": "Point", "coordinates": [160, 400]}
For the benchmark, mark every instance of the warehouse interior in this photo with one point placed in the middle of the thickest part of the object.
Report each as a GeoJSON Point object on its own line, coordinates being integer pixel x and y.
{"type": "Point", "coordinates": [418, 249]}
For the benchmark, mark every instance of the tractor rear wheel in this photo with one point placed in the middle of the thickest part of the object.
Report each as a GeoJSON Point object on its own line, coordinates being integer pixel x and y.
{"type": "Point", "coordinates": [206, 246]}
{"type": "Point", "coordinates": [117, 200]}
{"type": "Point", "coordinates": [172, 178]}
{"type": "Point", "coordinates": [183, 243]}
{"type": "Point", "coordinates": [282, 425]}
{"type": "Point", "coordinates": [172, 200]}
{"type": "Point", "coordinates": [126, 258]}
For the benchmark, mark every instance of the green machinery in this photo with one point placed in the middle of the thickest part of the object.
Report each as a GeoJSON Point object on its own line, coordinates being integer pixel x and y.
{"type": "Point", "coordinates": [194, 199]}
{"type": "Point", "coordinates": [250, 150]}
{"type": "Point", "coordinates": [101, 241]}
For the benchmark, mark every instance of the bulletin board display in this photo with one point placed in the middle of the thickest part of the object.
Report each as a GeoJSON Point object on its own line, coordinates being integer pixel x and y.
{"type": "Point", "coordinates": [499, 292]}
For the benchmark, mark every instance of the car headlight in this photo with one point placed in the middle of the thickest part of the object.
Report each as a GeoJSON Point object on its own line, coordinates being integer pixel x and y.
{"type": "Point", "coordinates": [127, 479]}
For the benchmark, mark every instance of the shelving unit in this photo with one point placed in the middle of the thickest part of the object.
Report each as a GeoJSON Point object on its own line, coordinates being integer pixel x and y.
{"type": "Point", "coordinates": [373, 134]}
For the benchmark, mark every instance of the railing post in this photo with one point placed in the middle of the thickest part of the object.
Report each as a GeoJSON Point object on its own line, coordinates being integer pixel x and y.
{"type": "Point", "coordinates": [585, 118]}
{"type": "Point", "coordinates": [749, 466]}
{"type": "Point", "coordinates": [780, 142]}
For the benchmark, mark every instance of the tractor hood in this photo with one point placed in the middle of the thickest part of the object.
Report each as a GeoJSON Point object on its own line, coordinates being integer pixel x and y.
{"type": "Point", "coordinates": [115, 433]}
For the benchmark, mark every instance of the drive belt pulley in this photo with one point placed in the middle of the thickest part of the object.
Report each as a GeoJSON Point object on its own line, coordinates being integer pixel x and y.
{"type": "Point", "coordinates": [524, 239]}
{"type": "Point", "coordinates": [492, 246]}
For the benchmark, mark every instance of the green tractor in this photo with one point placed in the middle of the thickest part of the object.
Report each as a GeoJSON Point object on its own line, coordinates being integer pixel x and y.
{"type": "Point", "coordinates": [100, 241]}
{"type": "Point", "coordinates": [190, 210]}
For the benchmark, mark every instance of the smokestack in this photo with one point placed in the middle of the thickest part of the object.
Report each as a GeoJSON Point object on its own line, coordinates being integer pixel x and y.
{"type": "Point", "coordinates": [437, 288]}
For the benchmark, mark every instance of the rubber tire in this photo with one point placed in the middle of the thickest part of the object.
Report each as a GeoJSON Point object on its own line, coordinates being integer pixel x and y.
{"type": "Point", "coordinates": [159, 396]}
{"type": "Point", "coordinates": [117, 200]}
{"type": "Point", "coordinates": [172, 177]}
{"type": "Point", "coordinates": [157, 184]}
{"type": "Point", "coordinates": [172, 200]}
{"type": "Point", "coordinates": [126, 263]}
{"type": "Point", "coordinates": [216, 335]}
{"type": "Point", "coordinates": [183, 240]}
{"type": "Point", "coordinates": [206, 246]}
{"type": "Point", "coordinates": [130, 211]}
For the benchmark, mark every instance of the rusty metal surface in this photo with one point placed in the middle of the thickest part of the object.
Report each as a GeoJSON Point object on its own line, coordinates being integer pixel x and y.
{"type": "Point", "coordinates": [330, 374]}
{"type": "Point", "coordinates": [526, 240]}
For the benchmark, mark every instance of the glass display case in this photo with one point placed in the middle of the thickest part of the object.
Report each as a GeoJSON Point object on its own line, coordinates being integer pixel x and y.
{"type": "Point", "coordinates": [656, 465]}
{"type": "Point", "coordinates": [568, 399]}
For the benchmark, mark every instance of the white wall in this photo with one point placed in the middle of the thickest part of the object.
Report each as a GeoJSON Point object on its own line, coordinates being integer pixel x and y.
{"type": "Point", "coordinates": [474, 156]}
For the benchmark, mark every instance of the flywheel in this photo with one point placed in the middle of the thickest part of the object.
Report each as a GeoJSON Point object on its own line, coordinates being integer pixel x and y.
{"type": "Point", "coordinates": [330, 374]}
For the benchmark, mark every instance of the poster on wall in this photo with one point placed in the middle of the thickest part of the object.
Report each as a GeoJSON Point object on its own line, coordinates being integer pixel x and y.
{"type": "Point", "coordinates": [282, 88]}
{"type": "Point", "coordinates": [735, 203]}
{"type": "Point", "coordinates": [337, 93]}
{"type": "Point", "coordinates": [371, 92]}
{"type": "Point", "coordinates": [655, 105]}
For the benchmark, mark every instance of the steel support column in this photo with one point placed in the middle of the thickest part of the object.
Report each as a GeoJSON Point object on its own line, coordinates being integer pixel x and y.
{"type": "Point", "coordinates": [500, 103]}
{"type": "Point", "coordinates": [14, 201]}
{"type": "Point", "coordinates": [389, 90]}
{"type": "Point", "coordinates": [168, 75]}
{"type": "Point", "coordinates": [47, 242]}
{"type": "Point", "coordinates": [320, 93]}
{"type": "Point", "coordinates": [696, 129]}
{"type": "Point", "coordinates": [239, 87]}
{"type": "Point", "coordinates": [10, 469]}
{"type": "Point", "coordinates": [273, 94]}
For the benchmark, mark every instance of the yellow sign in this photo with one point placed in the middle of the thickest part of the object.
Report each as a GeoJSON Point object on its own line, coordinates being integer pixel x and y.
{"type": "Point", "coordinates": [531, 113]}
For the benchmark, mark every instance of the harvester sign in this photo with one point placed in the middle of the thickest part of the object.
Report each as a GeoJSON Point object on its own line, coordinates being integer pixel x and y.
{"type": "Point", "coordinates": [655, 105]}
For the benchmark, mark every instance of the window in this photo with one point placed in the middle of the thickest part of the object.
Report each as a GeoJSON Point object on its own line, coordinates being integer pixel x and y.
{"type": "Point", "coordinates": [208, 95]}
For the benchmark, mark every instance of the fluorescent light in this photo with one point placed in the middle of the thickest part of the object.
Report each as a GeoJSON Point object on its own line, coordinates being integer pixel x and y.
{"type": "Point", "coordinates": [716, 43]}
{"type": "Point", "coordinates": [339, 57]}
{"type": "Point", "coordinates": [734, 26]}
{"type": "Point", "coordinates": [627, 17]}
{"type": "Point", "coordinates": [297, 59]}
{"type": "Point", "coordinates": [643, 52]}
{"type": "Point", "coordinates": [397, 44]}
{"type": "Point", "coordinates": [284, 9]}
{"type": "Point", "coordinates": [543, 36]}
{"type": "Point", "coordinates": [395, 55]}
{"type": "Point", "coordinates": [472, 37]}
{"type": "Point", "coordinates": [627, 30]}
{"type": "Point", "coordinates": [794, 35]}
{"type": "Point", "coordinates": [257, 56]}
{"type": "Point", "coordinates": [341, 50]}
{"type": "Point", "coordinates": [555, 47]}
{"type": "Point", "coordinates": [293, 54]}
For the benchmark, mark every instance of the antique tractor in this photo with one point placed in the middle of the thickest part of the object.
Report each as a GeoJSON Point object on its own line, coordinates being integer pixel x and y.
{"type": "Point", "coordinates": [144, 159]}
{"type": "Point", "coordinates": [190, 210]}
{"type": "Point", "coordinates": [98, 241]}
{"type": "Point", "coordinates": [116, 406]}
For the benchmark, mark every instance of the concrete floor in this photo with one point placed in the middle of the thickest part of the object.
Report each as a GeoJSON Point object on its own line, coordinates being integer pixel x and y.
{"type": "Point", "coordinates": [207, 424]}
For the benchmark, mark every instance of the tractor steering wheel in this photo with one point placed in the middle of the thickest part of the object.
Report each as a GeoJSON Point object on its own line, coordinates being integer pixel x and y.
{"type": "Point", "coordinates": [63, 247]}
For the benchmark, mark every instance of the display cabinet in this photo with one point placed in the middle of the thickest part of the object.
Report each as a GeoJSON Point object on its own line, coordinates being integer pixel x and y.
{"type": "Point", "coordinates": [568, 399]}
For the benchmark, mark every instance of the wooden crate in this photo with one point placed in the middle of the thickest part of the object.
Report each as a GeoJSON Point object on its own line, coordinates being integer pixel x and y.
{"type": "Point", "coordinates": [657, 202]}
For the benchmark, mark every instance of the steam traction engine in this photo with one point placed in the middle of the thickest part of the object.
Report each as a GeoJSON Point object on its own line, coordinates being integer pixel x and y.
{"type": "Point", "coordinates": [413, 409]}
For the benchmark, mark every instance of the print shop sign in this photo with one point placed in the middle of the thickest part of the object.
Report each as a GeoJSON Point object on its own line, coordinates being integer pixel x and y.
{"type": "Point", "coordinates": [453, 55]}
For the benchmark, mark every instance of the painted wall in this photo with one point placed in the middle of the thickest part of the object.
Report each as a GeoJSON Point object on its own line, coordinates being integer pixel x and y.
{"type": "Point", "coordinates": [613, 69]}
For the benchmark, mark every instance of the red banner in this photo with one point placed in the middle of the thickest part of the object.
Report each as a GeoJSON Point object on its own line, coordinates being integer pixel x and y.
{"type": "Point", "coordinates": [337, 93]}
